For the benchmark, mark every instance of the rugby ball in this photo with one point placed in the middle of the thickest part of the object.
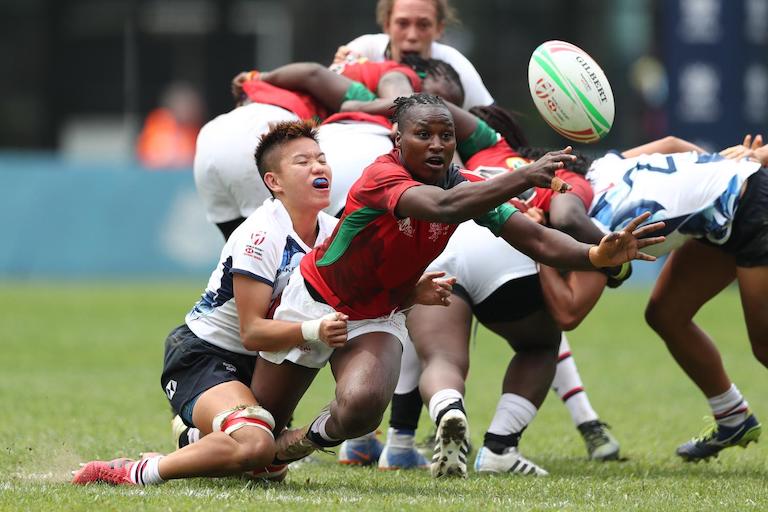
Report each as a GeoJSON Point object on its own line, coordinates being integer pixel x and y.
{"type": "Point", "coordinates": [570, 91]}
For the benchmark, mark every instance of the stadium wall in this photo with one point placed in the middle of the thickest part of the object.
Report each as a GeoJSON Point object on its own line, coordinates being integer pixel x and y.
{"type": "Point", "coordinates": [62, 220]}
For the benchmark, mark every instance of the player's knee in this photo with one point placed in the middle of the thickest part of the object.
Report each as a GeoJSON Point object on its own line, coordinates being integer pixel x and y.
{"type": "Point", "coordinates": [655, 316]}
{"type": "Point", "coordinates": [256, 443]}
{"type": "Point", "coordinates": [361, 412]}
{"type": "Point", "coordinates": [760, 350]}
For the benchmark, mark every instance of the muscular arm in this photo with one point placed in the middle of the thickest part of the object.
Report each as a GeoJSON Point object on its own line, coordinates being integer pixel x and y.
{"type": "Point", "coordinates": [567, 214]}
{"type": "Point", "coordinates": [546, 245]}
{"type": "Point", "coordinates": [572, 297]}
{"type": "Point", "coordinates": [394, 84]}
{"type": "Point", "coordinates": [472, 200]}
{"type": "Point", "coordinates": [314, 79]}
{"type": "Point", "coordinates": [257, 332]}
{"type": "Point", "coordinates": [668, 144]}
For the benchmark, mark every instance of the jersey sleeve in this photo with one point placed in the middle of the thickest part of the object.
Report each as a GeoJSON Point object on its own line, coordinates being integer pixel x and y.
{"type": "Point", "coordinates": [493, 219]}
{"type": "Point", "coordinates": [580, 186]}
{"type": "Point", "coordinates": [409, 73]}
{"type": "Point", "coordinates": [257, 253]}
{"type": "Point", "coordinates": [382, 186]}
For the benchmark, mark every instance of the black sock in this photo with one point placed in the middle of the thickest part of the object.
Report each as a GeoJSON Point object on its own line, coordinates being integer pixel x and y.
{"type": "Point", "coordinates": [458, 404]}
{"type": "Point", "coordinates": [498, 443]}
{"type": "Point", "coordinates": [406, 409]}
{"type": "Point", "coordinates": [184, 438]}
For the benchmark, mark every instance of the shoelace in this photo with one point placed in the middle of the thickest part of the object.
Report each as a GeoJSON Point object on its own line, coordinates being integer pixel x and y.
{"type": "Point", "coordinates": [597, 433]}
{"type": "Point", "coordinates": [708, 432]}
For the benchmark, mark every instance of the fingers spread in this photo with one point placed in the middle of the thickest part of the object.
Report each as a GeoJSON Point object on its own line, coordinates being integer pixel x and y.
{"type": "Point", "coordinates": [648, 228]}
{"type": "Point", "coordinates": [645, 242]}
{"type": "Point", "coordinates": [636, 221]}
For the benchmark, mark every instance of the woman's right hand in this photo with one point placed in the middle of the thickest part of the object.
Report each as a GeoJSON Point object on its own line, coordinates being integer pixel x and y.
{"type": "Point", "coordinates": [333, 330]}
{"type": "Point", "coordinates": [541, 172]}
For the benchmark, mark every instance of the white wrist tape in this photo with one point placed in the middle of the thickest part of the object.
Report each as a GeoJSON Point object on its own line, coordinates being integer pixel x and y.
{"type": "Point", "coordinates": [310, 329]}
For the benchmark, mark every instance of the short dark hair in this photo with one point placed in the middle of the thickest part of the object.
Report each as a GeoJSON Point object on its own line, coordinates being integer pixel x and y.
{"type": "Point", "coordinates": [445, 13]}
{"type": "Point", "coordinates": [434, 68]}
{"type": "Point", "coordinates": [405, 103]}
{"type": "Point", "coordinates": [276, 137]}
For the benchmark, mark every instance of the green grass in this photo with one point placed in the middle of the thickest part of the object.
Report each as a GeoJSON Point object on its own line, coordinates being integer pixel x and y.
{"type": "Point", "coordinates": [79, 379]}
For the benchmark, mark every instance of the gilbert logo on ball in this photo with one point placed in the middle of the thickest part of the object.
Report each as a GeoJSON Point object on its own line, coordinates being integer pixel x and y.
{"type": "Point", "coordinates": [571, 92]}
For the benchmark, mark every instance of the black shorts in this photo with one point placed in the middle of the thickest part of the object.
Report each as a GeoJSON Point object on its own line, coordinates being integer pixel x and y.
{"type": "Point", "coordinates": [748, 242]}
{"type": "Point", "coordinates": [514, 300]}
{"type": "Point", "coordinates": [192, 366]}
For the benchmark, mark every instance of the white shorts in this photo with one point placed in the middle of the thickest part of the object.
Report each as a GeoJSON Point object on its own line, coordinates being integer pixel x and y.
{"type": "Point", "coordinates": [481, 262]}
{"type": "Point", "coordinates": [296, 305]}
{"type": "Point", "coordinates": [225, 170]}
{"type": "Point", "coordinates": [349, 148]}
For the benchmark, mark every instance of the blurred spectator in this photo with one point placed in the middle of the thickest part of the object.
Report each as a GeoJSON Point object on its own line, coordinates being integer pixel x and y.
{"type": "Point", "coordinates": [168, 137]}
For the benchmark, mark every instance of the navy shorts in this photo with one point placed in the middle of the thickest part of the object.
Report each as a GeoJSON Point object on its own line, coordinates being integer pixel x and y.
{"type": "Point", "coordinates": [748, 242]}
{"type": "Point", "coordinates": [192, 366]}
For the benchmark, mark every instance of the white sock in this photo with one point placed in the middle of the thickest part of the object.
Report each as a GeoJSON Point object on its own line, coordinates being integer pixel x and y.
{"type": "Point", "coordinates": [399, 440]}
{"type": "Point", "coordinates": [513, 414]}
{"type": "Point", "coordinates": [441, 400]}
{"type": "Point", "coordinates": [366, 437]}
{"type": "Point", "coordinates": [146, 471]}
{"type": "Point", "coordinates": [318, 426]}
{"type": "Point", "coordinates": [730, 408]}
{"type": "Point", "coordinates": [193, 435]}
{"type": "Point", "coordinates": [568, 386]}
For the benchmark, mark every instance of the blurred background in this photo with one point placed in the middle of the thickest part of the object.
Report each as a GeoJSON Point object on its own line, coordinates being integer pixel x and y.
{"type": "Point", "coordinates": [88, 88]}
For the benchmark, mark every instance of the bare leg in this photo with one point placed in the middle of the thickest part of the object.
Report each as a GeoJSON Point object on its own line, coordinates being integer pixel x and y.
{"type": "Point", "coordinates": [279, 387]}
{"type": "Point", "coordinates": [536, 339]}
{"type": "Point", "coordinates": [366, 372]}
{"type": "Point", "coordinates": [692, 275]}
{"type": "Point", "coordinates": [441, 337]}
{"type": "Point", "coordinates": [218, 453]}
{"type": "Point", "coordinates": [753, 285]}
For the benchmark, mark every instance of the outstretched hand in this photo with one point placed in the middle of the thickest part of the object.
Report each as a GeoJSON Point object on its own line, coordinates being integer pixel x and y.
{"type": "Point", "coordinates": [432, 291]}
{"type": "Point", "coordinates": [744, 150]}
{"type": "Point", "coordinates": [541, 173]}
{"type": "Point", "coordinates": [621, 246]}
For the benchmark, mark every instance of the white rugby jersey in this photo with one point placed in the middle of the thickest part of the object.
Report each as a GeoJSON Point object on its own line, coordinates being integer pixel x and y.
{"type": "Point", "coordinates": [695, 194]}
{"type": "Point", "coordinates": [264, 247]}
{"type": "Point", "coordinates": [374, 47]}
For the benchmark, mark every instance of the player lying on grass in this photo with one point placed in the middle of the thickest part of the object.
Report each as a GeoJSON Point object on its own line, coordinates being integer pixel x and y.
{"type": "Point", "coordinates": [398, 218]}
{"type": "Point", "coordinates": [209, 360]}
{"type": "Point", "coordinates": [717, 208]}
{"type": "Point", "coordinates": [501, 287]}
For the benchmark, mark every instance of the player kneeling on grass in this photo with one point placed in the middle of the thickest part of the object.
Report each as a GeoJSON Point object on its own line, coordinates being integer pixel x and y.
{"type": "Point", "coordinates": [399, 216]}
{"type": "Point", "coordinates": [209, 360]}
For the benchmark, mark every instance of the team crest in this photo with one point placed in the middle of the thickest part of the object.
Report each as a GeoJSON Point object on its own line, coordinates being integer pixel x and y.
{"type": "Point", "coordinates": [405, 227]}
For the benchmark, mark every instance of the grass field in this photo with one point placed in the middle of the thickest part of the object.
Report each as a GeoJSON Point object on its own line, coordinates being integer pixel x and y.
{"type": "Point", "coordinates": [79, 379]}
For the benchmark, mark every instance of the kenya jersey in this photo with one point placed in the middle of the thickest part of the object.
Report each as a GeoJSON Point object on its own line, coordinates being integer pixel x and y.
{"type": "Point", "coordinates": [300, 104]}
{"type": "Point", "coordinates": [500, 157]}
{"type": "Point", "coordinates": [264, 247]}
{"type": "Point", "coordinates": [369, 73]}
{"type": "Point", "coordinates": [371, 263]}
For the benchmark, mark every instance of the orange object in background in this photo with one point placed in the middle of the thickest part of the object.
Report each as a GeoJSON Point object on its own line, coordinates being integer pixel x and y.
{"type": "Point", "coordinates": [167, 140]}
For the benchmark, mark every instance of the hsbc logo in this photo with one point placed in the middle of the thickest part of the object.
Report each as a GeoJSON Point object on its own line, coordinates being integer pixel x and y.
{"type": "Point", "coordinates": [543, 89]}
{"type": "Point", "coordinates": [170, 389]}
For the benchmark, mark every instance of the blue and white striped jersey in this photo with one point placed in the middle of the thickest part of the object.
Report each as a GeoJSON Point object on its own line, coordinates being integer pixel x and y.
{"type": "Point", "coordinates": [696, 195]}
{"type": "Point", "coordinates": [264, 247]}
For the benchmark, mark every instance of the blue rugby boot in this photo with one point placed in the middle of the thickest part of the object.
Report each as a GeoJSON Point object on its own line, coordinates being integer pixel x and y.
{"type": "Point", "coordinates": [361, 451]}
{"type": "Point", "coordinates": [400, 452]}
{"type": "Point", "coordinates": [718, 437]}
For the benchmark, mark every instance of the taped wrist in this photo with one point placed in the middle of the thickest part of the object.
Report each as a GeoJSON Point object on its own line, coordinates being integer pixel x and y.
{"type": "Point", "coordinates": [310, 329]}
{"type": "Point", "coordinates": [231, 420]}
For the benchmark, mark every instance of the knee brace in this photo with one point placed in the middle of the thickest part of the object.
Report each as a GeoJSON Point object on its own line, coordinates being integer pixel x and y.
{"type": "Point", "coordinates": [244, 416]}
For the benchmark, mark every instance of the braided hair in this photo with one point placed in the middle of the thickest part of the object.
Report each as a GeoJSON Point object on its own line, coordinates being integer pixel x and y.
{"type": "Point", "coordinates": [504, 122]}
{"type": "Point", "coordinates": [437, 70]}
{"type": "Point", "coordinates": [405, 103]}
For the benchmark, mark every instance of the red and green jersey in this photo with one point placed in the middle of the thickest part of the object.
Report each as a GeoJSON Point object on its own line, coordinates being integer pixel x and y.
{"type": "Point", "coordinates": [370, 264]}
{"type": "Point", "coordinates": [369, 73]}
{"type": "Point", "coordinates": [501, 157]}
{"type": "Point", "coordinates": [303, 105]}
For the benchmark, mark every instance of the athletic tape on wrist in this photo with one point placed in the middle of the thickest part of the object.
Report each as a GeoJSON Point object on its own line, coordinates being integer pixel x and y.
{"type": "Point", "coordinates": [310, 329]}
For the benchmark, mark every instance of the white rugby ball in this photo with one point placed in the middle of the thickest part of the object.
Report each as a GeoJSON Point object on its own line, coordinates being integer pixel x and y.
{"type": "Point", "coordinates": [571, 92]}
